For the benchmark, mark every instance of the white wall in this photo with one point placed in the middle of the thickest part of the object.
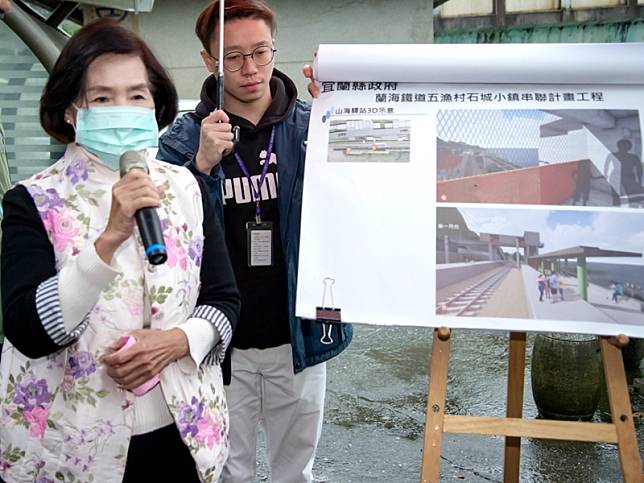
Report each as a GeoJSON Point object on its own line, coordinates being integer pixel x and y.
{"type": "Point", "coordinates": [169, 30]}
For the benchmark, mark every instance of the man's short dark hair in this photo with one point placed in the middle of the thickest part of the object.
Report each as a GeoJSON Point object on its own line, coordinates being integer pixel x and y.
{"type": "Point", "coordinates": [208, 19]}
{"type": "Point", "coordinates": [67, 80]}
{"type": "Point", "coordinates": [624, 145]}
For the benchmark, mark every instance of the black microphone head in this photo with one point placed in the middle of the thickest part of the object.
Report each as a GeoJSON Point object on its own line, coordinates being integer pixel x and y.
{"type": "Point", "coordinates": [132, 160]}
{"type": "Point", "coordinates": [157, 254]}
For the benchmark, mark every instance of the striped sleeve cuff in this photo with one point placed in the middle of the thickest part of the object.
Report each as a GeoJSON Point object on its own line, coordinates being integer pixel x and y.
{"type": "Point", "coordinates": [219, 320]}
{"type": "Point", "coordinates": [51, 316]}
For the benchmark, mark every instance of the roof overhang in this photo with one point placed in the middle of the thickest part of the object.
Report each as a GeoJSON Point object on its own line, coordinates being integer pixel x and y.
{"type": "Point", "coordinates": [584, 251]}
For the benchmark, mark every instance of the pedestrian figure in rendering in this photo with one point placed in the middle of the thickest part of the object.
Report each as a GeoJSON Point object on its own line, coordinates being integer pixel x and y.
{"type": "Point", "coordinates": [620, 291]}
{"type": "Point", "coordinates": [547, 277]}
{"type": "Point", "coordinates": [541, 285]}
{"type": "Point", "coordinates": [561, 286]}
{"type": "Point", "coordinates": [583, 177]}
{"type": "Point", "coordinates": [615, 291]}
{"type": "Point", "coordinates": [554, 287]}
{"type": "Point", "coordinates": [624, 173]}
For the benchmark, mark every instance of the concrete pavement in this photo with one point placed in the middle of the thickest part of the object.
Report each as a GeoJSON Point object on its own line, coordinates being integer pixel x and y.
{"type": "Point", "coordinates": [598, 308]}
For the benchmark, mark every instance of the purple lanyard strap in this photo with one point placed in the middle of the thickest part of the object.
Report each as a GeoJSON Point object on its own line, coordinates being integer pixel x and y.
{"type": "Point", "coordinates": [256, 194]}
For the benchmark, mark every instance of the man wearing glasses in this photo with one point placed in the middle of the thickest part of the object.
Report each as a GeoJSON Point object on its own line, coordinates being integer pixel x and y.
{"type": "Point", "coordinates": [277, 360]}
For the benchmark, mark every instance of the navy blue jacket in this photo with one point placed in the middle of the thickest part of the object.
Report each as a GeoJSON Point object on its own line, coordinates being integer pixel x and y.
{"type": "Point", "coordinates": [180, 144]}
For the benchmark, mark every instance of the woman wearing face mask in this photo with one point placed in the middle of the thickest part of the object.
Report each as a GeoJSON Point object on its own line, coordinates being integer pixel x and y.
{"type": "Point", "coordinates": [74, 403]}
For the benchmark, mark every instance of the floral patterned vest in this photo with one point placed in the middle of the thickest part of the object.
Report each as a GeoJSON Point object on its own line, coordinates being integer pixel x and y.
{"type": "Point", "coordinates": [62, 418]}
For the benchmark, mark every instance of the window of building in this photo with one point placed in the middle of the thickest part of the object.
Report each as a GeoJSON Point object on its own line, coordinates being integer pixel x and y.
{"type": "Point", "coordinates": [22, 78]}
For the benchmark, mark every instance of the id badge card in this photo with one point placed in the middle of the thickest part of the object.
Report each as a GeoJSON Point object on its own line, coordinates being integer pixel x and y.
{"type": "Point", "coordinates": [259, 239]}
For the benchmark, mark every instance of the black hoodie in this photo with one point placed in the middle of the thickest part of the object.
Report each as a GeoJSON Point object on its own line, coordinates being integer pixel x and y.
{"type": "Point", "coordinates": [264, 315]}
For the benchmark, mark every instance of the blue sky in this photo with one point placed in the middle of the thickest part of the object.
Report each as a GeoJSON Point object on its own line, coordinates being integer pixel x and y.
{"type": "Point", "coordinates": [580, 218]}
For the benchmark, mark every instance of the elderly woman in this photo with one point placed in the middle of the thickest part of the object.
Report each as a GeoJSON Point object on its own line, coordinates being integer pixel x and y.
{"type": "Point", "coordinates": [75, 280]}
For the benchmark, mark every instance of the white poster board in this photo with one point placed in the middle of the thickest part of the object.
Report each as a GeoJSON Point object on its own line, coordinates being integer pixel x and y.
{"type": "Point", "coordinates": [479, 186]}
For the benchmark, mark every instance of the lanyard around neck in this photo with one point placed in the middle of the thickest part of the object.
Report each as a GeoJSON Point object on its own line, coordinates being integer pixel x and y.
{"type": "Point", "coordinates": [256, 194]}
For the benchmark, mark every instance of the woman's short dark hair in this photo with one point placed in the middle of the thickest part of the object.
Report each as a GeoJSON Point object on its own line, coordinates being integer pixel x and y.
{"type": "Point", "coordinates": [208, 19]}
{"type": "Point", "coordinates": [67, 79]}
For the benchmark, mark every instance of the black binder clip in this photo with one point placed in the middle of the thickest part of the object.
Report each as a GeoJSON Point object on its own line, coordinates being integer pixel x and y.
{"type": "Point", "coordinates": [328, 316]}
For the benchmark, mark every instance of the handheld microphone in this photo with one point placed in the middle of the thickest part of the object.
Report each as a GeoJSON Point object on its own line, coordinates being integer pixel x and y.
{"type": "Point", "coordinates": [147, 219]}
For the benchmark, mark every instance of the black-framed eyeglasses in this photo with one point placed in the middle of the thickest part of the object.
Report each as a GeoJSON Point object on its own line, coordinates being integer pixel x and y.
{"type": "Point", "coordinates": [262, 55]}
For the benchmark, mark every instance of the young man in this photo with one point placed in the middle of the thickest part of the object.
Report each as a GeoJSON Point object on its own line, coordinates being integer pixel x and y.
{"type": "Point", "coordinates": [278, 360]}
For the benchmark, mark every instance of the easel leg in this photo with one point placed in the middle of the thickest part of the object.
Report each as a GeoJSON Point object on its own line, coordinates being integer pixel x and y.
{"type": "Point", "coordinates": [430, 470]}
{"type": "Point", "coordinates": [620, 407]}
{"type": "Point", "coordinates": [514, 407]}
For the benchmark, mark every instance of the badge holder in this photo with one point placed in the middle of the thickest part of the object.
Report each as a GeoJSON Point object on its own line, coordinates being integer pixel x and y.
{"type": "Point", "coordinates": [259, 238]}
{"type": "Point", "coordinates": [327, 316]}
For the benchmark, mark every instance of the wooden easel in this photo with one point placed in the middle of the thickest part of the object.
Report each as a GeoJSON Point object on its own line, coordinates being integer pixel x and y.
{"type": "Point", "coordinates": [621, 431]}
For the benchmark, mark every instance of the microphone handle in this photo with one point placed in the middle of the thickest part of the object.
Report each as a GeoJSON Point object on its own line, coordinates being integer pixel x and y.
{"type": "Point", "coordinates": [149, 225]}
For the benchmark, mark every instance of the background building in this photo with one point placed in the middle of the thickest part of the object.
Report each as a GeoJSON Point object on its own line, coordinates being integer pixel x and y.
{"type": "Point", "coordinates": [527, 21]}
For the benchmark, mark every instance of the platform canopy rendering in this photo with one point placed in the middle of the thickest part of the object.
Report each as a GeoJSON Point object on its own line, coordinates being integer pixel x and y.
{"type": "Point", "coordinates": [583, 251]}
{"type": "Point", "coordinates": [580, 253]}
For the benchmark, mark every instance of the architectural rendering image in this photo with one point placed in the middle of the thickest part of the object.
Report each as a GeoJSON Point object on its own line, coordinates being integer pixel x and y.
{"type": "Point", "coordinates": [540, 264]}
{"type": "Point", "coordinates": [586, 157]}
{"type": "Point", "coordinates": [369, 140]}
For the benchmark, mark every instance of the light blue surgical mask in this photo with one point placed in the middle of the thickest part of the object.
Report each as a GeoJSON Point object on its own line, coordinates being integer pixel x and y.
{"type": "Point", "coordinates": [108, 132]}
